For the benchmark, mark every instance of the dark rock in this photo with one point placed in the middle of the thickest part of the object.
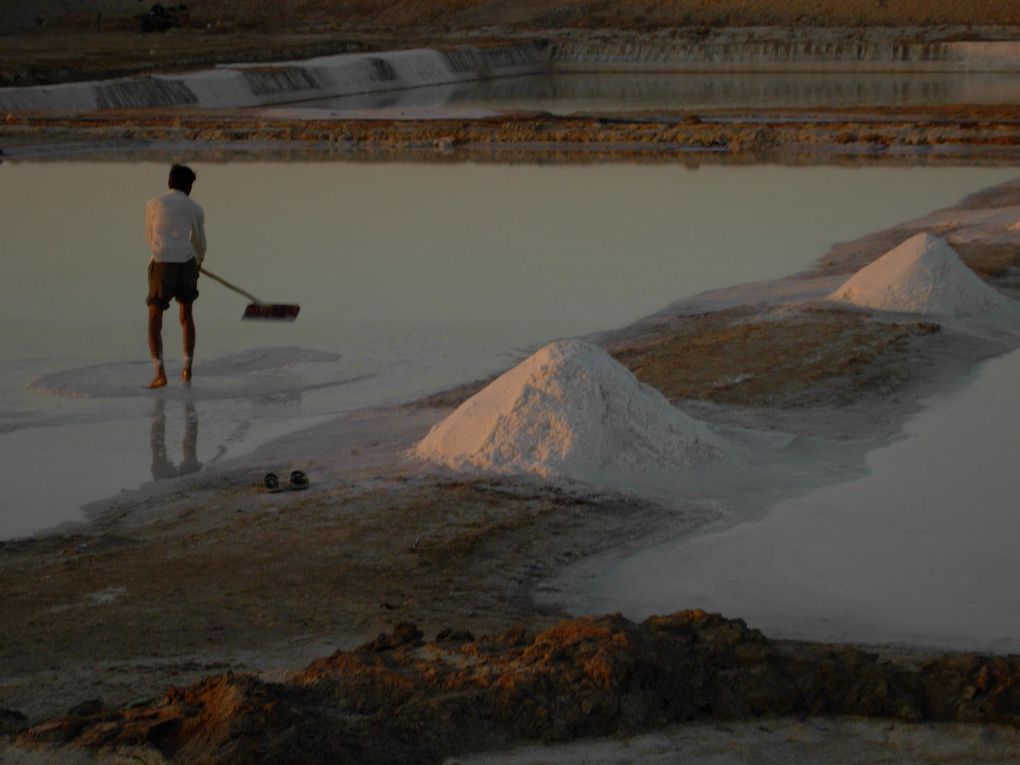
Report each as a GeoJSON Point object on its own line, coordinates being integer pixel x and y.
{"type": "Point", "coordinates": [450, 635]}
{"type": "Point", "coordinates": [11, 722]}
{"type": "Point", "coordinates": [403, 634]}
{"type": "Point", "coordinates": [391, 701]}
{"type": "Point", "coordinates": [86, 708]}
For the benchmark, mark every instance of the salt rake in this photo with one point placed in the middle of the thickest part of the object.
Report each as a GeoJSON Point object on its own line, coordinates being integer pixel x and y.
{"type": "Point", "coordinates": [256, 309]}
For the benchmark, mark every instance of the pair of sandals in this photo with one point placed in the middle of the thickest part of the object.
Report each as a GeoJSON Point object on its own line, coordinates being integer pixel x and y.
{"type": "Point", "coordinates": [271, 482]}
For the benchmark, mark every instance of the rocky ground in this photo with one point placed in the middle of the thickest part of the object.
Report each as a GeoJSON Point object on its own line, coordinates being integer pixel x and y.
{"type": "Point", "coordinates": [401, 699]}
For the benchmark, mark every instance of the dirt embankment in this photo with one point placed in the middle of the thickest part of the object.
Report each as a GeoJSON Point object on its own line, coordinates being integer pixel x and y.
{"type": "Point", "coordinates": [57, 40]}
{"type": "Point", "coordinates": [20, 14]}
{"type": "Point", "coordinates": [611, 13]}
{"type": "Point", "coordinates": [400, 699]}
{"type": "Point", "coordinates": [893, 134]}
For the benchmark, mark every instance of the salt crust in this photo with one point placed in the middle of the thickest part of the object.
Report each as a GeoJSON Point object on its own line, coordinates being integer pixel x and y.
{"type": "Point", "coordinates": [255, 372]}
{"type": "Point", "coordinates": [571, 411]}
{"type": "Point", "coordinates": [922, 275]}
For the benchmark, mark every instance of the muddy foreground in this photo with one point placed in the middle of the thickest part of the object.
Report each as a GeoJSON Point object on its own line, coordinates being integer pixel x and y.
{"type": "Point", "coordinates": [400, 699]}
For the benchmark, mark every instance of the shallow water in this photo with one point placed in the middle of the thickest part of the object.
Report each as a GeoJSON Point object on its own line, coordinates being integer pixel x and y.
{"type": "Point", "coordinates": [920, 551]}
{"type": "Point", "coordinates": [572, 93]}
{"type": "Point", "coordinates": [414, 277]}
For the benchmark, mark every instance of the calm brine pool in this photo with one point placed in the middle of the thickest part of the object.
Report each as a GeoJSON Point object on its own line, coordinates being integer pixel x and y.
{"type": "Point", "coordinates": [919, 551]}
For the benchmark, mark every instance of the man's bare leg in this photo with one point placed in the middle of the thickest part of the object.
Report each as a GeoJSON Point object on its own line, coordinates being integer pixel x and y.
{"type": "Point", "coordinates": [188, 330]}
{"type": "Point", "coordinates": [156, 345]}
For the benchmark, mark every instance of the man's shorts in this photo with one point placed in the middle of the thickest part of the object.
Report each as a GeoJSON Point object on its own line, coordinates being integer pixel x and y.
{"type": "Point", "coordinates": [169, 281]}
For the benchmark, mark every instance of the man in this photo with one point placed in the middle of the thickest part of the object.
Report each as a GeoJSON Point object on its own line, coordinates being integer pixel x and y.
{"type": "Point", "coordinates": [175, 229]}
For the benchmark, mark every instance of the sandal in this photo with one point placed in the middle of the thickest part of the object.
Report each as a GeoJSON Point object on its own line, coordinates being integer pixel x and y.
{"type": "Point", "coordinates": [298, 481]}
{"type": "Point", "coordinates": [270, 484]}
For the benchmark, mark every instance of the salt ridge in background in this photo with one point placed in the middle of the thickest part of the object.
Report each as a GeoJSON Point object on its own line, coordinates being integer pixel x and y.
{"type": "Point", "coordinates": [923, 275]}
{"type": "Point", "coordinates": [571, 411]}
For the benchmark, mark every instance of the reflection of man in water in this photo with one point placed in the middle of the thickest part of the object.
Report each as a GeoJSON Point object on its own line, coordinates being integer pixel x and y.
{"type": "Point", "coordinates": [161, 466]}
{"type": "Point", "coordinates": [175, 230]}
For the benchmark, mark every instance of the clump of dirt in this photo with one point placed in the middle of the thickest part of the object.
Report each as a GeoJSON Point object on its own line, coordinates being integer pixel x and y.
{"type": "Point", "coordinates": [993, 261]}
{"type": "Point", "coordinates": [400, 699]}
{"type": "Point", "coordinates": [818, 356]}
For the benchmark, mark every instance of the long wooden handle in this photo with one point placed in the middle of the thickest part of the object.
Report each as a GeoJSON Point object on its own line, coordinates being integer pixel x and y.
{"type": "Point", "coordinates": [230, 286]}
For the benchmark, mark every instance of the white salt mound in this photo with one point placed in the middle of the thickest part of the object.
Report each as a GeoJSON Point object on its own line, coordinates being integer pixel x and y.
{"type": "Point", "coordinates": [571, 411]}
{"type": "Point", "coordinates": [922, 275]}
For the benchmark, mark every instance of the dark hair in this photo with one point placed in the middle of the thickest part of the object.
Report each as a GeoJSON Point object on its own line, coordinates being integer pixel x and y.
{"type": "Point", "coordinates": [181, 178]}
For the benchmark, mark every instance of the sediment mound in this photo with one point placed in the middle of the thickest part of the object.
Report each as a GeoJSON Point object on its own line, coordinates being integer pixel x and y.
{"type": "Point", "coordinates": [922, 275]}
{"type": "Point", "coordinates": [399, 699]}
{"type": "Point", "coordinates": [570, 411]}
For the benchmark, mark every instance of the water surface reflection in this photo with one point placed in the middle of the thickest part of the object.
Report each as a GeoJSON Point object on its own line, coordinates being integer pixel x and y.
{"type": "Point", "coordinates": [162, 467]}
{"type": "Point", "coordinates": [569, 93]}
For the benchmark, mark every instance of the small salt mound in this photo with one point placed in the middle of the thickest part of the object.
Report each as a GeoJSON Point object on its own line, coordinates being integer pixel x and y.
{"type": "Point", "coordinates": [571, 411]}
{"type": "Point", "coordinates": [922, 275]}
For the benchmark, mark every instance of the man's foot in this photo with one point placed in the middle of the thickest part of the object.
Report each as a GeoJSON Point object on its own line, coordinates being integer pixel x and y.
{"type": "Point", "coordinates": [185, 374]}
{"type": "Point", "coordinates": [158, 381]}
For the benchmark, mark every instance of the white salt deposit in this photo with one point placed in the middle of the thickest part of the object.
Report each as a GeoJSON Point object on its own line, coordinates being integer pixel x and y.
{"type": "Point", "coordinates": [241, 85]}
{"type": "Point", "coordinates": [572, 411]}
{"type": "Point", "coordinates": [256, 372]}
{"type": "Point", "coordinates": [923, 275]}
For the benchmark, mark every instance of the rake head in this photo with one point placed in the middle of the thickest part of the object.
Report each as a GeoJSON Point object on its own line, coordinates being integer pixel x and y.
{"type": "Point", "coordinates": [271, 311]}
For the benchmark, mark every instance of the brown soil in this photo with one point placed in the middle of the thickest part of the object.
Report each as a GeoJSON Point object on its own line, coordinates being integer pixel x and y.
{"type": "Point", "coordinates": [611, 13]}
{"type": "Point", "coordinates": [994, 262]}
{"type": "Point", "coordinates": [400, 699]}
{"type": "Point", "coordinates": [466, 14]}
{"type": "Point", "coordinates": [823, 356]}
{"type": "Point", "coordinates": [52, 45]}
{"type": "Point", "coordinates": [237, 575]}
{"type": "Point", "coordinates": [911, 135]}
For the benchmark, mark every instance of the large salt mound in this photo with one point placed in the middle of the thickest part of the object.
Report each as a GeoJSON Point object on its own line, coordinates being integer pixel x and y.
{"type": "Point", "coordinates": [571, 411]}
{"type": "Point", "coordinates": [922, 275]}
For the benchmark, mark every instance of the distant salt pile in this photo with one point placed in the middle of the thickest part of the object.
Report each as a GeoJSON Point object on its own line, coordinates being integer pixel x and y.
{"type": "Point", "coordinates": [922, 275]}
{"type": "Point", "coordinates": [571, 411]}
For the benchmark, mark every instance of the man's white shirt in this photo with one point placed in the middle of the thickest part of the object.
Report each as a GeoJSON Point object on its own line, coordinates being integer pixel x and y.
{"type": "Point", "coordinates": [175, 228]}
